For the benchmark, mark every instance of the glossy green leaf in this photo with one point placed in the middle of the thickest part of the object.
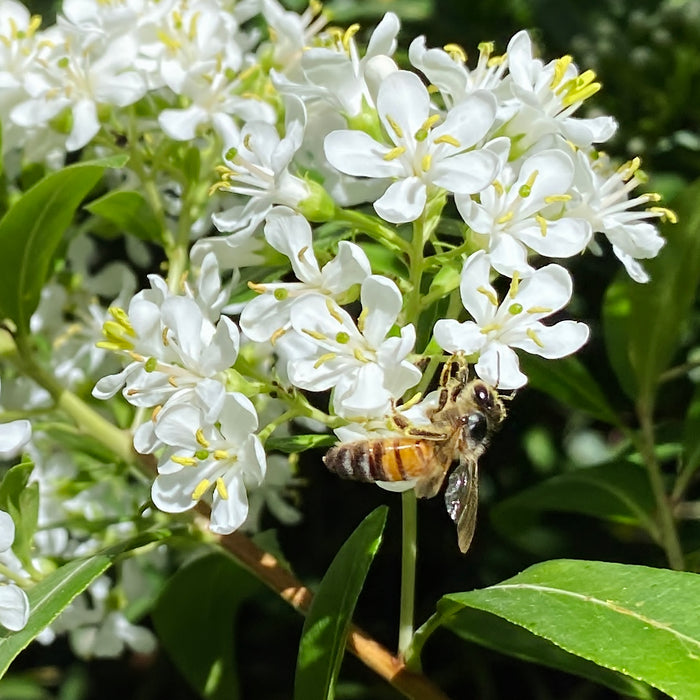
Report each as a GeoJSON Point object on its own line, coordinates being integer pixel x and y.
{"type": "Point", "coordinates": [568, 381]}
{"type": "Point", "coordinates": [21, 500]}
{"type": "Point", "coordinates": [31, 231]}
{"type": "Point", "coordinates": [326, 626]}
{"type": "Point", "coordinates": [502, 636]}
{"type": "Point", "coordinates": [55, 592]}
{"type": "Point", "coordinates": [691, 434]}
{"type": "Point", "coordinates": [617, 492]}
{"type": "Point", "coordinates": [195, 621]}
{"type": "Point", "coordinates": [634, 620]}
{"type": "Point", "coordinates": [129, 212]}
{"type": "Point", "coordinates": [299, 443]}
{"type": "Point", "coordinates": [643, 323]}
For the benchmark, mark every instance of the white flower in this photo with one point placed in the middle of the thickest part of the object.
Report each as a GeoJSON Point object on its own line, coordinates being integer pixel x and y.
{"type": "Point", "coordinates": [13, 437]}
{"type": "Point", "coordinates": [267, 316]}
{"type": "Point", "coordinates": [514, 323]}
{"type": "Point", "coordinates": [524, 211]}
{"type": "Point", "coordinates": [549, 95]}
{"type": "Point", "coordinates": [176, 351]}
{"type": "Point", "coordinates": [204, 460]}
{"type": "Point", "coordinates": [14, 605]}
{"type": "Point", "coordinates": [448, 72]}
{"type": "Point", "coordinates": [603, 200]}
{"type": "Point", "coordinates": [365, 368]}
{"type": "Point", "coordinates": [420, 155]}
{"type": "Point", "coordinates": [98, 631]}
{"type": "Point", "coordinates": [76, 80]}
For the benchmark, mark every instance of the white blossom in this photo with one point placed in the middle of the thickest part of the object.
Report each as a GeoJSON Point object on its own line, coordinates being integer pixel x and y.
{"type": "Point", "coordinates": [14, 605]}
{"type": "Point", "coordinates": [515, 322]}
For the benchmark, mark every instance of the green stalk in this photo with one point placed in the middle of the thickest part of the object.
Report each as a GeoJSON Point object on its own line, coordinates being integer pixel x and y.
{"type": "Point", "coordinates": [667, 525]}
{"type": "Point", "coordinates": [409, 522]}
{"type": "Point", "coordinates": [373, 228]}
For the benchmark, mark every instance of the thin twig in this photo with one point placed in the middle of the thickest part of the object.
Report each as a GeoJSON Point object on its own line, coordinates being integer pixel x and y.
{"type": "Point", "coordinates": [368, 650]}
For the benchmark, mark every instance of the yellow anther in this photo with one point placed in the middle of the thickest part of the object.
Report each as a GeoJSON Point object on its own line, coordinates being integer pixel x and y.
{"type": "Point", "coordinates": [426, 162]}
{"type": "Point", "coordinates": [560, 67]}
{"type": "Point", "coordinates": [534, 338]}
{"type": "Point", "coordinates": [173, 382]}
{"type": "Point", "coordinates": [626, 170]}
{"type": "Point", "coordinates": [200, 489]}
{"type": "Point", "coordinates": [156, 410]}
{"type": "Point", "coordinates": [259, 288]}
{"type": "Point", "coordinates": [498, 187]}
{"type": "Point", "coordinates": [199, 437]}
{"type": "Point", "coordinates": [324, 358]}
{"type": "Point", "coordinates": [394, 153]}
{"type": "Point", "coordinates": [539, 310]}
{"type": "Point", "coordinates": [652, 196]}
{"type": "Point", "coordinates": [447, 138]}
{"type": "Point", "coordinates": [316, 335]}
{"type": "Point", "coordinates": [302, 253]}
{"type": "Point", "coordinates": [505, 218]}
{"type": "Point", "coordinates": [581, 94]}
{"type": "Point", "coordinates": [164, 335]}
{"type": "Point", "coordinates": [359, 355]}
{"type": "Point", "coordinates": [457, 53]}
{"type": "Point", "coordinates": [430, 122]}
{"type": "Point", "coordinates": [486, 48]}
{"type": "Point", "coordinates": [666, 214]}
{"type": "Point", "coordinates": [542, 222]}
{"type": "Point", "coordinates": [433, 89]}
{"type": "Point", "coordinates": [489, 294]}
{"type": "Point", "coordinates": [184, 461]}
{"type": "Point", "coordinates": [495, 61]}
{"type": "Point", "coordinates": [485, 330]}
{"type": "Point", "coordinates": [247, 140]}
{"type": "Point", "coordinates": [106, 345]}
{"type": "Point", "coordinates": [333, 310]}
{"type": "Point", "coordinates": [170, 41]}
{"type": "Point", "coordinates": [552, 198]}
{"type": "Point", "coordinates": [277, 335]}
{"type": "Point", "coordinates": [221, 489]}
{"type": "Point", "coordinates": [514, 285]}
{"type": "Point", "coordinates": [361, 319]}
{"type": "Point", "coordinates": [220, 455]}
{"type": "Point", "coordinates": [349, 34]}
{"type": "Point", "coordinates": [136, 357]}
{"type": "Point", "coordinates": [395, 127]}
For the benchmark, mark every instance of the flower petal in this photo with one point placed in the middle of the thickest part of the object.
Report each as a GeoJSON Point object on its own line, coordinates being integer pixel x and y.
{"type": "Point", "coordinates": [403, 201]}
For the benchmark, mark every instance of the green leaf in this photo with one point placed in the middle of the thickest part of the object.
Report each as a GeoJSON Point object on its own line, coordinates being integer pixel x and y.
{"type": "Point", "coordinates": [568, 381]}
{"type": "Point", "coordinates": [643, 323]}
{"type": "Point", "coordinates": [21, 500]}
{"type": "Point", "coordinates": [502, 636]}
{"type": "Point", "coordinates": [618, 492]}
{"type": "Point", "coordinates": [635, 620]}
{"type": "Point", "coordinates": [299, 443]}
{"type": "Point", "coordinates": [326, 626]}
{"type": "Point", "coordinates": [129, 212]}
{"type": "Point", "coordinates": [31, 231]}
{"type": "Point", "coordinates": [195, 621]}
{"type": "Point", "coordinates": [691, 434]}
{"type": "Point", "coordinates": [55, 592]}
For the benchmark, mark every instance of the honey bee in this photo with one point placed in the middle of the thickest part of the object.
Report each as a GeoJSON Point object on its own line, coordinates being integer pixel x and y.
{"type": "Point", "coordinates": [460, 428]}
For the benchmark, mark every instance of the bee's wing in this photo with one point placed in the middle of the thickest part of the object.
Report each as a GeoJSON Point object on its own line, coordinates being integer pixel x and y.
{"type": "Point", "coordinates": [462, 499]}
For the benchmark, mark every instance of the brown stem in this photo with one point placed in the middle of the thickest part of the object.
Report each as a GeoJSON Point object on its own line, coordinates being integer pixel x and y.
{"type": "Point", "coordinates": [369, 651]}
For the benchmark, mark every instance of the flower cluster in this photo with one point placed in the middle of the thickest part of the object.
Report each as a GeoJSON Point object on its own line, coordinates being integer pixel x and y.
{"type": "Point", "coordinates": [298, 187]}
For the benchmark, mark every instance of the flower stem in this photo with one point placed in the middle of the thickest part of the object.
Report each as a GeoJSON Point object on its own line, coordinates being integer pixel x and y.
{"type": "Point", "coordinates": [667, 524]}
{"type": "Point", "coordinates": [408, 570]}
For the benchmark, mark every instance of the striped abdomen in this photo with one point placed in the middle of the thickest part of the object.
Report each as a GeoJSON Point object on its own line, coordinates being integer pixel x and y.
{"type": "Point", "coordinates": [388, 459]}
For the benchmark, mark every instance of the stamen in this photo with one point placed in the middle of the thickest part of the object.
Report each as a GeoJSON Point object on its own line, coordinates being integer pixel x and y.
{"type": "Point", "coordinates": [542, 224]}
{"type": "Point", "coordinates": [200, 489]}
{"type": "Point", "coordinates": [324, 358]}
{"type": "Point", "coordinates": [489, 294]}
{"type": "Point", "coordinates": [485, 330]}
{"type": "Point", "coordinates": [396, 128]}
{"type": "Point", "coordinates": [514, 285]}
{"type": "Point", "coordinates": [447, 138]}
{"type": "Point", "coordinates": [394, 153]}
{"type": "Point", "coordinates": [316, 335]}
{"type": "Point", "coordinates": [506, 217]}
{"type": "Point", "coordinates": [199, 437]}
{"type": "Point", "coordinates": [560, 66]}
{"type": "Point", "coordinates": [526, 189]}
{"type": "Point", "coordinates": [277, 335]}
{"type": "Point", "coordinates": [220, 455]}
{"type": "Point", "coordinates": [539, 310]}
{"type": "Point", "coordinates": [426, 162]}
{"type": "Point", "coordinates": [184, 461]}
{"type": "Point", "coordinates": [456, 52]}
{"type": "Point", "coordinates": [359, 355]}
{"type": "Point", "coordinates": [533, 337]}
{"type": "Point", "coordinates": [665, 214]}
{"type": "Point", "coordinates": [333, 310]}
{"type": "Point", "coordinates": [221, 489]}
{"type": "Point", "coordinates": [552, 198]}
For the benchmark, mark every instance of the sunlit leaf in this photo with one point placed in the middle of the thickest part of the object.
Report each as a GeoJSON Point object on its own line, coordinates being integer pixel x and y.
{"type": "Point", "coordinates": [328, 621]}
{"type": "Point", "coordinates": [31, 231]}
{"type": "Point", "coordinates": [55, 592]}
{"type": "Point", "coordinates": [634, 620]}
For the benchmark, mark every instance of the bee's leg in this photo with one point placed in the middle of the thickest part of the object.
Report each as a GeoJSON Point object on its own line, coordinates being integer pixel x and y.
{"type": "Point", "coordinates": [400, 422]}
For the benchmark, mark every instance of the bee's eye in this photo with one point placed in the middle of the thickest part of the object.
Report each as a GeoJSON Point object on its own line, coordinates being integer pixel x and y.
{"type": "Point", "coordinates": [482, 396]}
{"type": "Point", "coordinates": [477, 426]}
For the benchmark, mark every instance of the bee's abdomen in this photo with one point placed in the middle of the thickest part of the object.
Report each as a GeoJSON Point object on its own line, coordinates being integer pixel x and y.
{"type": "Point", "coordinates": [392, 459]}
